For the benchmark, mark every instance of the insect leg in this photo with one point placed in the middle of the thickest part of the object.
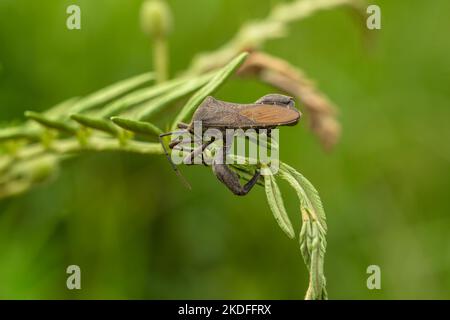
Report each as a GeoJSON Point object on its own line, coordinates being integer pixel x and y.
{"type": "Point", "coordinates": [229, 178]}
{"type": "Point", "coordinates": [197, 151]}
{"type": "Point", "coordinates": [173, 144]}
{"type": "Point", "coordinates": [183, 179]}
{"type": "Point", "coordinates": [182, 125]}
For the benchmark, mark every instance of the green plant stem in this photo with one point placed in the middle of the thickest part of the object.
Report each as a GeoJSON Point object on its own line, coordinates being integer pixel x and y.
{"type": "Point", "coordinates": [161, 59]}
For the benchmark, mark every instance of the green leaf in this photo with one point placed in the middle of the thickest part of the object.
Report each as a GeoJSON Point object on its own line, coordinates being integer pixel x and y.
{"type": "Point", "coordinates": [51, 123]}
{"type": "Point", "coordinates": [277, 206]}
{"type": "Point", "coordinates": [306, 192]}
{"type": "Point", "coordinates": [146, 110]}
{"type": "Point", "coordinates": [111, 92]}
{"type": "Point", "coordinates": [140, 127]}
{"type": "Point", "coordinates": [15, 133]}
{"type": "Point", "coordinates": [303, 240]}
{"type": "Point", "coordinates": [96, 123]}
{"type": "Point", "coordinates": [30, 130]}
{"type": "Point", "coordinates": [316, 258]}
{"type": "Point", "coordinates": [312, 236]}
{"type": "Point", "coordinates": [209, 89]}
{"type": "Point", "coordinates": [137, 97]}
{"type": "Point", "coordinates": [313, 248]}
{"type": "Point", "coordinates": [60, 110]}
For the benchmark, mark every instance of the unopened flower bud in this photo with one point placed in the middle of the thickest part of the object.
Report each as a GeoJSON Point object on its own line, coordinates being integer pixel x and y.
{"type": "Point", "coordinates": [156, 18]}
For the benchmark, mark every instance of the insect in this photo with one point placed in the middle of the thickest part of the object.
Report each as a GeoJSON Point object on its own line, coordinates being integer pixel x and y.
{"type": "Point", "coordinates": [268, 112]}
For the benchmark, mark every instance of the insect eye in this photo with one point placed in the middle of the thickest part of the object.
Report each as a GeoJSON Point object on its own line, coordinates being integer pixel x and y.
{"type": "Point", "coordinates": [291, 103]}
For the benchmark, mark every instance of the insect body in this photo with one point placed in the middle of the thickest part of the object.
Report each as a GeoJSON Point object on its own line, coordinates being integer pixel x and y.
{"type": "Point", "coordinates": [268, 112]}
{"type": "Point", "coordinates": [222, 115]}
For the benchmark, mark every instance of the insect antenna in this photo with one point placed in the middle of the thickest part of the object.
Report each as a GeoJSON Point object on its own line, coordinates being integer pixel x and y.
{"type": "Point", "coordinates": [182, 178]}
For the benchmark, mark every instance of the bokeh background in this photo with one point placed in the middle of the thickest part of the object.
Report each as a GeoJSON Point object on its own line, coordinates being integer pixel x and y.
{"type": "Point", "coordinates": [134, 230]}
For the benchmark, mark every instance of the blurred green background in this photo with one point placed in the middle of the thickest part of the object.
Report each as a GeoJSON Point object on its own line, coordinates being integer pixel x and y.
{"type": "Point", "coordinates": [134, 230]}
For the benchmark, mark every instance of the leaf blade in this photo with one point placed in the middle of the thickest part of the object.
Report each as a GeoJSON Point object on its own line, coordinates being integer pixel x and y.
{"type": "Point", "coordinates": [146, 110]}
{"type": "Point", "coordinates": [312, 237]}
{"type": "Point", "coordinates": [209, 88]}
{"type": "Point", "coordinates": [313, 202]}
{"type": "Point", "coordinates": [276, 205]}
{"type": "Point", "coordinates": [137, 126]}
{"type": "Point", "coordinates": [110, 92]}
{"type": "Point", "coordinates": [96, 123]}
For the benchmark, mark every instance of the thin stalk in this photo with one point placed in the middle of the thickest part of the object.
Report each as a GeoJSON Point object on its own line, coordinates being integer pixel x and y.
{"type": "Point", "coordinates": [161, 59]}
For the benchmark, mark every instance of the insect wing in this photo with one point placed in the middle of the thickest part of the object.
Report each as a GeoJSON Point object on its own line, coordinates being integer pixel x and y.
{"type": "Point", "coordinates": [265, 115]}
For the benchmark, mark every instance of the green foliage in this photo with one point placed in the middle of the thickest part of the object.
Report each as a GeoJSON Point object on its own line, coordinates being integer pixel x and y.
{"type": "Point", "coordinates": [96, 123]}
{"type": "Point", "coordinates": [146, 110]}
{"type": "Point", "coordinates": [51, 123]}
{"type": "Point", "coordinates": [277, 206]}
{"type": "Point", "coordinates": [140, 127]}
{"type": "Point", "coordinates": [312, 236]}
{"type": "Point", "coordinates": [219, 78]}
{"type": "Point", "coordinates": [111, 92]}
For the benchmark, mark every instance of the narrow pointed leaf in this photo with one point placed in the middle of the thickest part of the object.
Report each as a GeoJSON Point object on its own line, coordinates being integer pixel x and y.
{"type": "Point", "coordinates": [209, 89]}
{"type": "Point", "coordinates": [60, 110]}
{"type": "Point", "coordinates": [111, 92]}
{"type": "Point", "coordinates": [139, 96]}
{"type": "Point", "coordinates": [310, 194]}
{"type": "Point", "coordinates": [146, 110]}
{"type": "Point", "coordinates": [312, 236]}
{"type": "Point", "coordinates": [96, 123]}
{"type": "Point", "coordinates": [277, 206]}
{"type": "Point", "coordinates": [140, 127]}
{"type": "Point", "coordinates": [51, 123]}
{"type": "Point", "coordinates": [15, 133]}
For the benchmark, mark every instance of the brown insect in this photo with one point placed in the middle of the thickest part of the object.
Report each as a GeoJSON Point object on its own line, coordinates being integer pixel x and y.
{"type": "Point", "coordinates": [268, 112]}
